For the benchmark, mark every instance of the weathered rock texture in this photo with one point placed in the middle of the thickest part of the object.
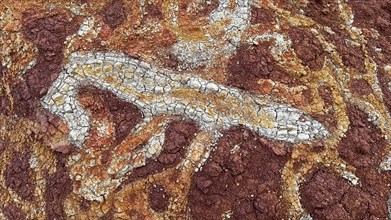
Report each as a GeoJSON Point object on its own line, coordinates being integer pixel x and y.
{"type": "Point", "coordinates": [195, 109]}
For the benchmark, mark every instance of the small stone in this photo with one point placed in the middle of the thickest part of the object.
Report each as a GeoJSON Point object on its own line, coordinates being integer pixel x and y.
{"type": "Point", "coordinates": [303, 137]}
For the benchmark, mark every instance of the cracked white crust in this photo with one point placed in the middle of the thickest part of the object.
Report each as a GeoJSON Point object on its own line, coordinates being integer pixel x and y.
{"type": "Point", "coordinates": [192, 54]}
{"type": "Point", "coordinates": [155, 91]}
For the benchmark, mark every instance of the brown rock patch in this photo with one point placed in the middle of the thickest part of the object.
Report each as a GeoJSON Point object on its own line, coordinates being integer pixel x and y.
{"type": "Point", "coordinates": [356, 203]}
{"type": "Point", "coordinates": [169, 61]}
{"type": "Point", "coordinates": [158, 198]}
{"type": "Point", "coordinates": [326, 13]}
{"type": "Point", "coordinates": [47, 31]}
{"type": "Point", "coordinates": [322, 193]}
{"type": "Point", "coordinates": [85, 204]}
{"type": "Point", "coordinates": [18, 175]}
{"type": "Point", "coordinates": [12, 212]}
{"type": "Point", "coordinates": [261, 15]}
{"type": "Point", "coordinates": [360, 87]}
{"type": "Point", "coordinates": [307, 48]}
{"type": "Point", "coordinates": [24, 103]}
{"type": "Point", "coordinates": [376, 15]}
{"type": "Point", "coordinates": [327, 118]}
{"type": "Point", "coordinates": [178, 136]}
{"type": "Point", "coordinates": [326, 93]}
{"type": "Point", "coordinates": [384, 82]}
{"type": "Point", "coordinates": [364, 148]}
{"type": "Point", "coordinates": [114, 13]}
{"type": "Point", "coordinates": [58, 186]}
{"type": "Point", "coordinates": [251, 63]}
{"type": "Point", "coordinates": [3, 146]}
{"type": "Point", "coordinates": [375, 188]}
{"type": "Point", "coordinates": [352, 56]}
{"type": "Point", "coordinates": [243, 176]}
{"type": "Point", "coordinates": [4, 105]}
{"type": "Point", "coordinates": [326, 195]}
{"type": "Point", "coordinates": [49, 122]}
{"type": "Point", "coordinates": [154, 10]}
{"type": "Point", "coordinates": [4, 100]}
{"type": "Point", "coordinates": [363, 145]}
{"type": "Point", "coordinates": [124, 114]}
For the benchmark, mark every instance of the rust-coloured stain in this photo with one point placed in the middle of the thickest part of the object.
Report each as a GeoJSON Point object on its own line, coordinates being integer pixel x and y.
{"type": "Point", "coordinates": [195, 109]}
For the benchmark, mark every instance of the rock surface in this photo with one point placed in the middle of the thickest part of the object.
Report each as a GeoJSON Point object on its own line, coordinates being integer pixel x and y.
{"type": "Point", "coordinates": [195, 109]}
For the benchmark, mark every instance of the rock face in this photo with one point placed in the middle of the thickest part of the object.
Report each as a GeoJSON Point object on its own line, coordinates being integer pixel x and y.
{"type": "Point", "coordinates": [242, 177]}
{"type": "Point", "coordinates": [17, 176]}
{"type": "Point", "coordinates": [195, 109]}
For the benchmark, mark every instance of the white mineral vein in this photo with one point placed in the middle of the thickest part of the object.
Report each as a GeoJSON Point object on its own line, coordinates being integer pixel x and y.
{"type": "Point", "coordinates": [157, 91]}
